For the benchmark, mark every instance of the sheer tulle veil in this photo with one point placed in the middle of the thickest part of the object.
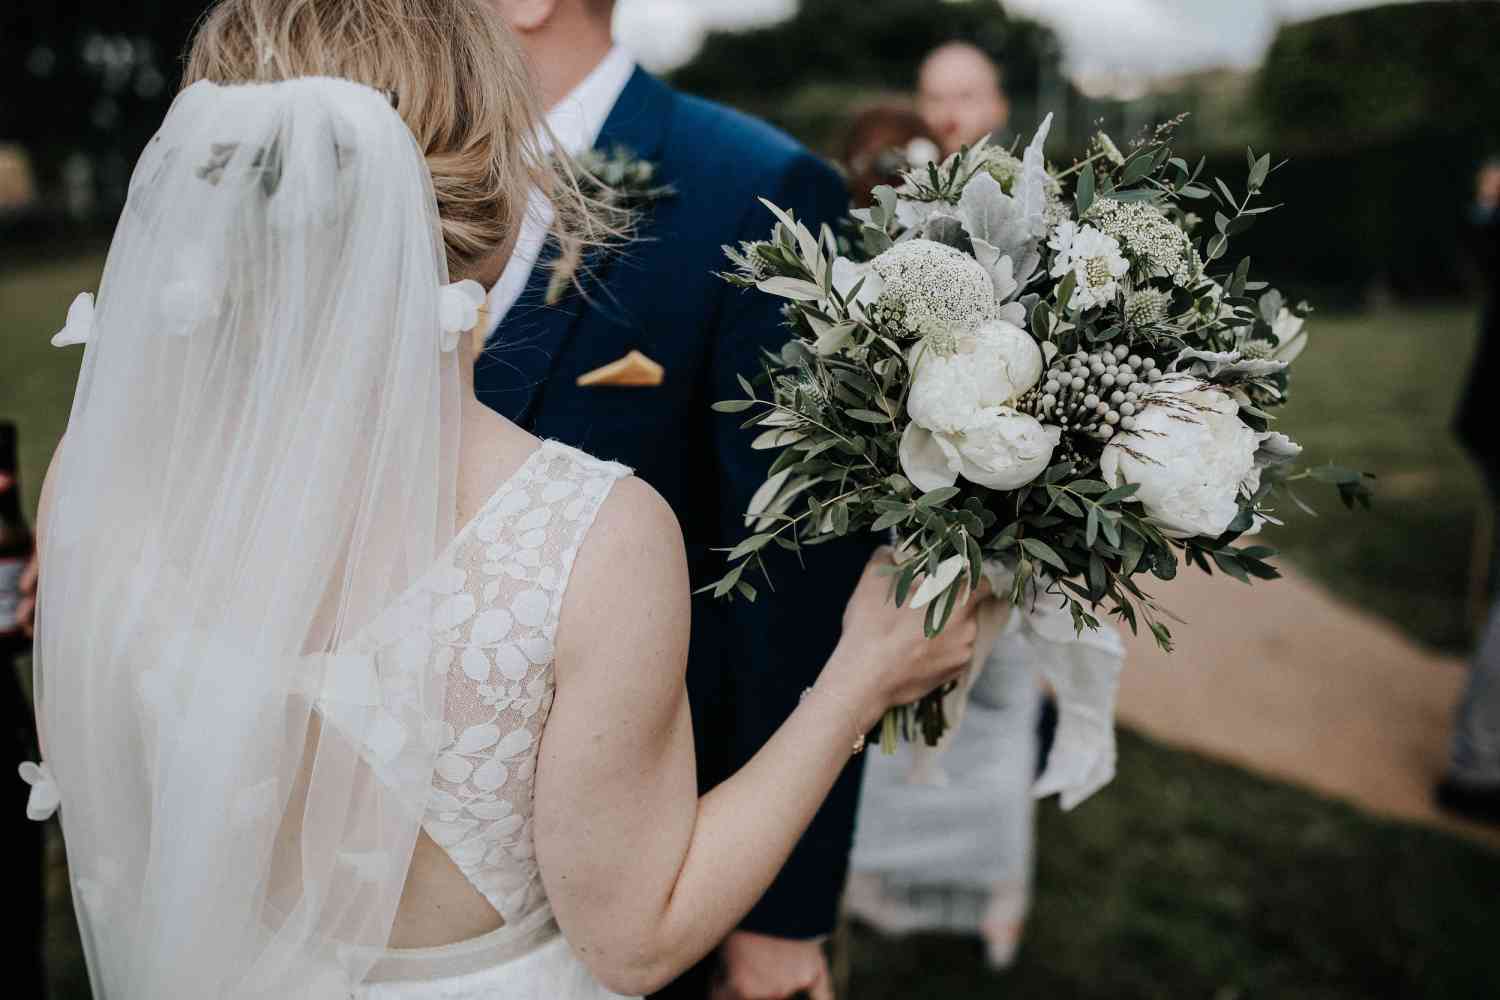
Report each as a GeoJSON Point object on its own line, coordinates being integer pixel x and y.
{"type": "Point", "coordinates": [259, 463]}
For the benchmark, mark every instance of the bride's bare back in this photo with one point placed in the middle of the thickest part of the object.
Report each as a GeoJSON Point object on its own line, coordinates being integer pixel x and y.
{"type": "Point", "coordinates": [609, 834]}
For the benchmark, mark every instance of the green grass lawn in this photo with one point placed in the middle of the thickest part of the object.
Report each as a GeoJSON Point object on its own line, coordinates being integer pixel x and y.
{"type": "Point", "coordinates": [1189, 879]}
{"type": "Point", "coordinates": [1377, 392]}
{"type": "Point", "coordinates": [1186, 878]}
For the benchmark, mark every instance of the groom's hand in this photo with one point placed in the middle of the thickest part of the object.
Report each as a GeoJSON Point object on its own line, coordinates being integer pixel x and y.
{"type": "Point", "coordinates": [760, 967]}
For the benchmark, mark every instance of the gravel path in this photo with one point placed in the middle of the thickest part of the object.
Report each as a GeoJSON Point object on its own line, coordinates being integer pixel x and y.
{"type": "Point", "coordinates": [1286, 680]}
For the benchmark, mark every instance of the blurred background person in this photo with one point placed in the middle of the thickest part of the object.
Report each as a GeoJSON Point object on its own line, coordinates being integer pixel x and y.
{"type": "Point", "coordinates": [884, 140]}
{"type": "Point", "coordinates": [955, 854]}
{"type": "Point", "coordinates": [961, 95]}
{"type": "Point", "coordinates": [1472, 785]}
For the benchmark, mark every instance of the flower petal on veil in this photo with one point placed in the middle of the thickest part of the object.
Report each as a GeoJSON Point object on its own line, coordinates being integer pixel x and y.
{"type": "Point", "coordinates": [80, 322]}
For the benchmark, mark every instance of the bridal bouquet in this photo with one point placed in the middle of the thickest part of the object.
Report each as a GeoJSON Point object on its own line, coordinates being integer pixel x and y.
{"type": "Point", "coordinates": [1053, 379]}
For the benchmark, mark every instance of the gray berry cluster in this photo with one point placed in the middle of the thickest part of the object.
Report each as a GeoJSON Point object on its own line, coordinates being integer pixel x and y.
{"type": "Point", "coordinates": [1094, 393]}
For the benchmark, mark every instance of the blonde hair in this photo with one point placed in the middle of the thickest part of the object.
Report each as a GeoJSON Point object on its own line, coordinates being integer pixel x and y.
{"type": "Point", "coordinates": [458, 79]}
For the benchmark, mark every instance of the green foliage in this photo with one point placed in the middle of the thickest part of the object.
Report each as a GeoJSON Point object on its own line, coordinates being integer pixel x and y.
{"type": "Point", "coordinates": [1359, 80]}
{"type": "Point", "coordinates": [1191, 878]}
{"type": "Point", "coordinates": [97, 78]}
{"type": "Point", "coordinates": [1386, 113]}
{"type": "Point", "coordinates": [833, 402]}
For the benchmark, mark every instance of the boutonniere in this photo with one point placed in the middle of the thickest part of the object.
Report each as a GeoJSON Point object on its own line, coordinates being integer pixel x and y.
{"type": "Point", "coordinates": [619, 179]}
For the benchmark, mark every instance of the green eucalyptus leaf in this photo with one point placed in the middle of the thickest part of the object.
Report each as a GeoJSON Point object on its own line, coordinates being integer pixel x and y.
{"type": "Point", "coordinates": [1040, 550]}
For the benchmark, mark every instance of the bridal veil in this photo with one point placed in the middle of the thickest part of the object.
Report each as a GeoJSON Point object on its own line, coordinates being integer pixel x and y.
{"type": "Point", "coordinates": [260, 460]}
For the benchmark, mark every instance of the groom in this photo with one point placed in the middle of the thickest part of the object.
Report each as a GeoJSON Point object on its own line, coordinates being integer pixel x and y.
{"type": "Point", "coordinates": [749, 662]}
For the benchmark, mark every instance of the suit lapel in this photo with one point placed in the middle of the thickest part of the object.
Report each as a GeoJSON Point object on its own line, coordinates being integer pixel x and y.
{"type": "Point", "coordinates": [523, 353]}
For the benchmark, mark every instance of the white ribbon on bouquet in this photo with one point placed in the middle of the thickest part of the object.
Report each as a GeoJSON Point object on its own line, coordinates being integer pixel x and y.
{"type": "Point", "coordinates": [1083, 670]}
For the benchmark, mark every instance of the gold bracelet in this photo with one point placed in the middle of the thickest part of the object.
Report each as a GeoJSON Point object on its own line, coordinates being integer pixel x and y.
{"type": "Point", "coordinates": [859, 741]}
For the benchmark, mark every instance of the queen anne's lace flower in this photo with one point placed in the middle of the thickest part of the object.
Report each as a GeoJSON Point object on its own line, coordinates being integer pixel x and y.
{"type": "Point", "coordinates": [1094, 257]}
{"type": "Point", "coordinates": [929, 287]}
{"type": "Point", "coordinates": [1159, 248]}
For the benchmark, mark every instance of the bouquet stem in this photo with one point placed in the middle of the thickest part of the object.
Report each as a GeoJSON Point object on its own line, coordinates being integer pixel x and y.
{"type": "Point", "coordinates": [939, 713]}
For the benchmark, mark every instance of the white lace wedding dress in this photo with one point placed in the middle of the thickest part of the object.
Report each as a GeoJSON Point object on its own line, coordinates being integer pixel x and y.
{"type": "Point", "coordinates": [500, 586]}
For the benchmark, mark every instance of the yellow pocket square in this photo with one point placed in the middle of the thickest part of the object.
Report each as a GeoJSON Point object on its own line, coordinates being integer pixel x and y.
{"type": "Point", "coordinates": [634, 369]}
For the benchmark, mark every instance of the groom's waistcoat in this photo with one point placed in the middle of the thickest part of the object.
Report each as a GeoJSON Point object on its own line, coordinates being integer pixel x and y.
{"type": "Point", "coordinates": [749, 662]}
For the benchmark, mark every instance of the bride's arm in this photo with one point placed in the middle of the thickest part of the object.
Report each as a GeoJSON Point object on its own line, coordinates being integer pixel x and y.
{"type": "Point", "coordinates": [644, 876]}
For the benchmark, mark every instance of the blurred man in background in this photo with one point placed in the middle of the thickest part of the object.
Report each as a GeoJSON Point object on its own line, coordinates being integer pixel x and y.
{"type": "Point", "coordinates": [1472, 785]}
{"type": "Point", "coordinates": [960, 93]}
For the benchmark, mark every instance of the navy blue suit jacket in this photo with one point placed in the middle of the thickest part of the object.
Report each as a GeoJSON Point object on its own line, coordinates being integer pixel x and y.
{"type": "Point", "coordinates": [749, 662]}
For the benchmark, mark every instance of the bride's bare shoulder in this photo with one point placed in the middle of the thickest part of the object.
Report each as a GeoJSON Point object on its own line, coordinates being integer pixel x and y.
{"type": "Point", "coordinates": [491, 452]}
{"type": "Point", "coordinates": [629, 585]}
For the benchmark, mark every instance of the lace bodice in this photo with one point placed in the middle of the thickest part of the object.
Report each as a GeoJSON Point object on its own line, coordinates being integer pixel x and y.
{"type": "Point", "coordinates": [491, 606]}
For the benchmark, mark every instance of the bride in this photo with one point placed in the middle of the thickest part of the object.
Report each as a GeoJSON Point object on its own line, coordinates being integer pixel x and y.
{"type": "Point", "coordinates": [347, 686]}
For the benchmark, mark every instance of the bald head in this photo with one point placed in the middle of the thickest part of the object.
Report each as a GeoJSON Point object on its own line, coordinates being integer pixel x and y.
{"type": "Point", "coordinates": [960, 94]}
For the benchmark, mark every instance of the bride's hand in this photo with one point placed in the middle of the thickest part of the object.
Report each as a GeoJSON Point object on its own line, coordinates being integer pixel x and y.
{"type": "Point", "coordinates": [884, 658]}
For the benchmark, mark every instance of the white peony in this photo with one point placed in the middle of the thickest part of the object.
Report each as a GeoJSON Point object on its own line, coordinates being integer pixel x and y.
{"type": "Point", "coordinates": [999, 448]}
{"type": "Point", "coordinates": [988, 367]}
{"type": "Point", "coordinates": [1191, 455]}
{"type": "Point", "coordinates": [1094, 258]}
{"type": "Point", "coordinates": [1290, 337]}
{"type": "Point", "coordinates": [929, 287]}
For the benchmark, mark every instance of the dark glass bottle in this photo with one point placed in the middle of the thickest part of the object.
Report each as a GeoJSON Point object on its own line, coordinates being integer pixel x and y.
{"type": "Point", "coordinates": [16, 545]}
{"type": "Point", "coordinates": [20, 838]}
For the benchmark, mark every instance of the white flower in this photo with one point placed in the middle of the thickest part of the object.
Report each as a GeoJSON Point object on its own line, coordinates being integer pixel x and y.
{"type": "Point", "coordinates": [1273, 450]}
{"type": "Point", "coordinates": [44, 798]}
{"type": "Point", "coordinates": [458, 310]}
{"type": "Point", "coordinates": [1159, 247]}
{"type": "Point", "coordinates": [1191, 455]}
{"type": "Point", "coordinates": [988, 367]}
{"type": "Point", "coordinates": [930, 287]}
{"type": "Point", "coordinates": [1290, 337]}
{"type": "Point", "coordinates": [1094, 258]}
{"type": "Point", "coordinates": [913, 215]}
{"type": "Point", "coordinates": [847, 275]}
{"type": "Point", "coordinates": [1225, 365]}
{"type": "Point", "coordinates": [922, 151]}
{"type": "Point", "coordinates": [998, 448]}
{"type": "Point", "coordinates": [80, 322]}
{"type": "Point", "coordinates": [192, 294]}
{"type": "Point", "coordinates": [1109, 149]}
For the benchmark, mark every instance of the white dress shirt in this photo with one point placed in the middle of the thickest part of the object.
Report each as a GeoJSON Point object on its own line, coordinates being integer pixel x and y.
{"type": "Point", "coordinates": [576, 121]}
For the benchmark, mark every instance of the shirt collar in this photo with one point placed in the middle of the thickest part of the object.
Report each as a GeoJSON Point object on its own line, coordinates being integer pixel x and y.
{"type": "Point", "coordinates": [579, 117]}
